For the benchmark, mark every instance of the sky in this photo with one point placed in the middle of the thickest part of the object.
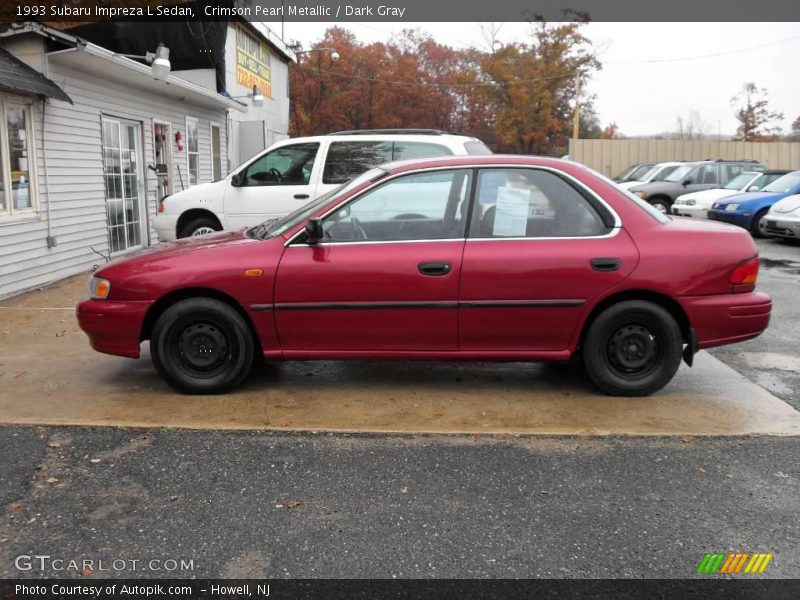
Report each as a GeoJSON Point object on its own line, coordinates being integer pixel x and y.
{"type": "Point", "coordinates": [652, 72]}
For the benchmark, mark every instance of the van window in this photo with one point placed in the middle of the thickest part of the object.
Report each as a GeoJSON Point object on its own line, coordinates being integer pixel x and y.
{"type": "Point", "coordinates": [348, 159]}
{"type": "Point", "coordinates": [287, 165]}
{"type": "Point", "coordinates": [403, 150]}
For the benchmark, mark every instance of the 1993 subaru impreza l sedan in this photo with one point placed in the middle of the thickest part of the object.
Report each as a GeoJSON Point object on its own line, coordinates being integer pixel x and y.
{"type": "Point", "coordinates": [496, 258]}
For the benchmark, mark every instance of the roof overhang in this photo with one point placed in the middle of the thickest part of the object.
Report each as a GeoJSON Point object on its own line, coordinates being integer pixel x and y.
{"type": "Point", "coordinates": [100, 61]}
{"type": "Point", "coordinates": [17, 77]}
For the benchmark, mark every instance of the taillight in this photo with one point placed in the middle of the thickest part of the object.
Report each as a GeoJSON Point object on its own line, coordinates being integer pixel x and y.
{"type": "Point", "coordinates": [746, 274]}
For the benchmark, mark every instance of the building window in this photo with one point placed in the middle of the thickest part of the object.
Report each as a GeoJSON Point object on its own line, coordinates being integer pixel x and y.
{"type": "Point", "coordinates": [17, 184]}
{"type": "Point", "coordinates": [216, 153]}
{"type": "Point", "coordinates": [192, 151]}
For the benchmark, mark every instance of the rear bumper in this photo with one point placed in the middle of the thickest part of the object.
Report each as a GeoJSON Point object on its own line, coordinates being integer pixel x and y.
{"type": "Point", "coordinates": [785, 228]}
{"type": "Point", "coordinates": [730, 217]}
{"type": "Point", "coordinates": [727, 318]}
{"type": "Point", "coordinates": [113, 327]}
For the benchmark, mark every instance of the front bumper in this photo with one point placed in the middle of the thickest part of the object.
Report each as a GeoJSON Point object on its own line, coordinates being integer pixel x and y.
{"type": "Point", "coordinates": [113, 327]}
{"type": "Point", "coordinates": [784, 226]}
{"type": "Point", "coordinates": [166, 226]}
{"type": "Point", "coordinates": [727, 318]}
{"type": "Point", "coordinates": [695, 212]}
{"type": "Point", "coordinates": [734, 218]}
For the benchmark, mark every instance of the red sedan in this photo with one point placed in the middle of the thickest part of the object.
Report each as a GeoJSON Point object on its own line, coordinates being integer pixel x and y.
{"type": "Point", "coordinates": [503, 258]}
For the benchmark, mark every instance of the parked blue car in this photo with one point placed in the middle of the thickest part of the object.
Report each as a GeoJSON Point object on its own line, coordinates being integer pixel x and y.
{"type": "Point", "coordinates": [748, 210]}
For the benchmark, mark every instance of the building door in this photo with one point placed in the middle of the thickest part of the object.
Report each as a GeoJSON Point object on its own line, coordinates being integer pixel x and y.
{"type": "Point", "coordinates": [122, 170]}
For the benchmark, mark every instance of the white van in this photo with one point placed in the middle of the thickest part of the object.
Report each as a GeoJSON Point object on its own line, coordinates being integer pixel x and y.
{"type": "Point", "coordinates": [293, 172]}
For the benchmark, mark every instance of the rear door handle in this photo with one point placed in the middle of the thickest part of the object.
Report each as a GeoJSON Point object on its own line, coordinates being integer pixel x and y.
{"type": "Point", "coordinates": [605, 264]}
{"type": "Point", "coordinates": [301, 196]}
{"type": "Point", "coordinates": [434, 268]}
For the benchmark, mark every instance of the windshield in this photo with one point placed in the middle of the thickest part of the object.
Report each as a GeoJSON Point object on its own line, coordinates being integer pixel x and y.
{"type": "Point", "coordinates": [662, 173]}
{"type": "Point", "coordinates": [680, 173]}
{"type": "Point", "coordinates": [273, 227]}
{"type": "Point", "coordinates": [741, 180]}
{"type": "Point", "coordinates": [638, 174]}
{"type": "Point", "coordinates": [784, 184]}
{"type": "Point", "coordinates": [625, 175]}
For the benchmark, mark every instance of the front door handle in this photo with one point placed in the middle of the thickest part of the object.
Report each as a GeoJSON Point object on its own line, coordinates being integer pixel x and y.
{"type": "Point", "coordinates": [605, 264]}
{"type": "Point", "coordinates": [301, 196]}
{"type": "Point", "coordinates": [434, 268]}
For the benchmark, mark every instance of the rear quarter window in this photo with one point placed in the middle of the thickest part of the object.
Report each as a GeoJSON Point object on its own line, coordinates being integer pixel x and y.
{"type": "Point", "coordinates": [477, 148]}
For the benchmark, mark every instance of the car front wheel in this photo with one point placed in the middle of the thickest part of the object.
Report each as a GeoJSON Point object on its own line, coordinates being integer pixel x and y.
{"type": "Point", "coordinates": [201, 226]}
{"type": "Point", "coordinates": [202, 346]}
{"type": "Point", "coordinates": [759, 227]}
{"type": "Point", "coordinates": [661, 205]}
{"type": "Point", "coordinates": [632, 348]}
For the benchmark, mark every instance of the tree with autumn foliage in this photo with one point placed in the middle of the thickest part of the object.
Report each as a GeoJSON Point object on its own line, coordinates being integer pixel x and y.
{"type": "Point", "coordinates": [517, 98]}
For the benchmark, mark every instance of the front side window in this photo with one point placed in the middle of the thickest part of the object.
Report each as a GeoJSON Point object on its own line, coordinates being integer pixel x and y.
{"type": "Point", "coordinates": [704, 174]}
{"type": "Point", "coordinates": [287, 165]}
{"type": "Point", "coordinates": [16, 189]}
{"type": "Point", "coordinates": [514, 203]}
{"type": "Point", "coordinates": [423, 206]}
{"type": "Point", "coordinates": [192, 151]}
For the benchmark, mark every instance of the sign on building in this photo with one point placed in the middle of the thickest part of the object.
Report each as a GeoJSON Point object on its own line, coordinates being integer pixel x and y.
{"type": "Point", "coordinates": [253, 62]}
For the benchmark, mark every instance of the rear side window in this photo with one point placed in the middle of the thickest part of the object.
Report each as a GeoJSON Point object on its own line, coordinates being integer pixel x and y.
{"type": "Point", "coordinates": [531, 203]}
{"type": "Point", "coordinates": [348, 159]}
{"type": "Point", "coordinates": [403, 150]}
{"type": "Point", "coordinates": [477, 148]}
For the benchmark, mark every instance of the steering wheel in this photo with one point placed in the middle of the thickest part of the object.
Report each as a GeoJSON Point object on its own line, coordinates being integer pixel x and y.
{"type": "Point", "coordinates": [358, 230]}
{"type": "Point", "coordinates": [276, 174]}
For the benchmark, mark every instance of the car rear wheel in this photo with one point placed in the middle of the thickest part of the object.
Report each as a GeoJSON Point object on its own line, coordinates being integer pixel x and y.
{"type": "Point", "coordinates": [759, 227]}
{"type": "Point", "coordinates": [201, 226]}
{"type": "Point", "coordinates": [632, 349]}
{"type": "Point", "coordinates": [202, 346]}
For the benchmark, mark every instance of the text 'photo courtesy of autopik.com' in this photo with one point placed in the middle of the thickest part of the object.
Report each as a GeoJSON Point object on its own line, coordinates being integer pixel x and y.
{"type": "Point", "coordinates": [399, 299]}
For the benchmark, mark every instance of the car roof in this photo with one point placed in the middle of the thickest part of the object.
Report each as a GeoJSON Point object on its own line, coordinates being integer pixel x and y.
{"type": "Point", "coordinates": [476, 160]}
{"type": "Point", "coordinates": [427, 135]}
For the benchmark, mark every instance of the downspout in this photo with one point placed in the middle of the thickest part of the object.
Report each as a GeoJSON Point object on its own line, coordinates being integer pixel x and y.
{"type": "Point", "coordinates": [51, 241]}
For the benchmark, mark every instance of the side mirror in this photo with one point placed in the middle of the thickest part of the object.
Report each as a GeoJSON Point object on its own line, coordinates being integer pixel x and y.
{"type": "Point", "coordinates": [686, 182]}
{"type": "Point", "coordinates": [236, 180]}
{"type": "Point", "coordinates": [752, 188]}
{"type": "Point", "coordinates": [314, 231]}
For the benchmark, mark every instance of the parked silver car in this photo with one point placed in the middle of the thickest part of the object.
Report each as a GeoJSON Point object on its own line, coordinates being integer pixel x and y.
{"type": "Point", "coordinates": [783, 219]}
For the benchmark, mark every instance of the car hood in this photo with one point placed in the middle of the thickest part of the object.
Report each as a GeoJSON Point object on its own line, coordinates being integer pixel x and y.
{"type": "Point", "coordinates": [182, 246]}
{"type": "Point", "coordinates": [657, 186]}
{"type": "Point", "coordinates": [787, 205]}
{"type": "Point", "coordinates": [708, 196]}
{"type": "Point", "coordinates": [751, 196]}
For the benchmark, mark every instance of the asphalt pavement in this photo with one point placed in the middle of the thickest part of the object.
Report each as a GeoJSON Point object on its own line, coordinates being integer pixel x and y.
{"type": "Point", "coordinates": [183, 503]}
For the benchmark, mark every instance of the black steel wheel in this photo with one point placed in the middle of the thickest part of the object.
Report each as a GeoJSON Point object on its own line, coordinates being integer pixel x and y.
{"type": "Point", "coordinates": [632, 348]}
{"type": "Point", "coordinates": [202, 346]}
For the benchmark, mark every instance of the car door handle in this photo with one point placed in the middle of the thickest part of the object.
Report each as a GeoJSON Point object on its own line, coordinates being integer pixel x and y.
{"type": "Point", "coordinates": [605, 264]}
{"type": "Point", "coordinates": [301, 196]}
{"type": "Point", "coordinates": [434, 268]}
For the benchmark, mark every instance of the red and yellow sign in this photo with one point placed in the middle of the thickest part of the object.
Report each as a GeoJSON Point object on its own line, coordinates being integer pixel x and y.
{"type": "Point", "coordinates": [253, 62]}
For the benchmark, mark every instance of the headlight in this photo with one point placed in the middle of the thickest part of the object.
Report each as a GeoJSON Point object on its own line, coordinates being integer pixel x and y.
{"type": "Point", "coordinates": [691, 202]}
{"type": "Point", "coordinates": [99, 288]}
{"type": "Point", "coordinates": [732, 207]}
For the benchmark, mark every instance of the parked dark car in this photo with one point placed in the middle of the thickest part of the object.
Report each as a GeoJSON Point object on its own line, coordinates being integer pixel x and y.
{"type": "Point", "coordinates": [692, 177]}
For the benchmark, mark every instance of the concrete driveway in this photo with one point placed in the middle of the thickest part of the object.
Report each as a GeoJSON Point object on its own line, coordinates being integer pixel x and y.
{"type": "Point", "coordinates": [50, 376]}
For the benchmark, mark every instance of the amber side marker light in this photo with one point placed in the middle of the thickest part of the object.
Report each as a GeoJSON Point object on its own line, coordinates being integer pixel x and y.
{"type": "Point", "coordinates": [746, 273]}
{"type": "Point", "coordinates": [99, 288]}
{"type": "Point", "coordinates": [253, 272]}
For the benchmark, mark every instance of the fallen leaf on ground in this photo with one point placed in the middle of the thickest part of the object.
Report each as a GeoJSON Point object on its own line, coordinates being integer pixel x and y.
{"type": "Point", "coordinates": [173, 498]}
{"type": "Point", "coordinates": [290, 504]}
{"type": "Point", "coordinates": [94, 460]}
{"type": "Point", "coordinates": [16, 506]}
{"type": "Point", "coordinates": [85, 572]}
{"type": "Point", "coordinates": [51, 480]}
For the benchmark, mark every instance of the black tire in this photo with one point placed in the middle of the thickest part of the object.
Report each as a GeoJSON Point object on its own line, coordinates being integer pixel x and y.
{"type": "Point", "coordinates": [195, 226]}
{"type": "Point", "coordinates": [184, 342]}
{"type": "Point", "coordinates": [632, 348]}
{"type": "Point", "coordinates": [756, 229]}
{"type": "Point", "coordinates": [662, 205]}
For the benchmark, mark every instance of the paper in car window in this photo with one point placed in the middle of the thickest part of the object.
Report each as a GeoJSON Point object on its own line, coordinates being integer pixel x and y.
{"type": "Point", "coordinates": [511, 212]}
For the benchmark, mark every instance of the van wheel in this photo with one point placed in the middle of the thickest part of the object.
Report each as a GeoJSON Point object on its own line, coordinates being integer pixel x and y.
{"type": "Point", "coordinates": [201, 226]}
{"type": "Point", "coordinates": [202, 346]}
{"type": "Point", "coordinates": [632, 349]}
